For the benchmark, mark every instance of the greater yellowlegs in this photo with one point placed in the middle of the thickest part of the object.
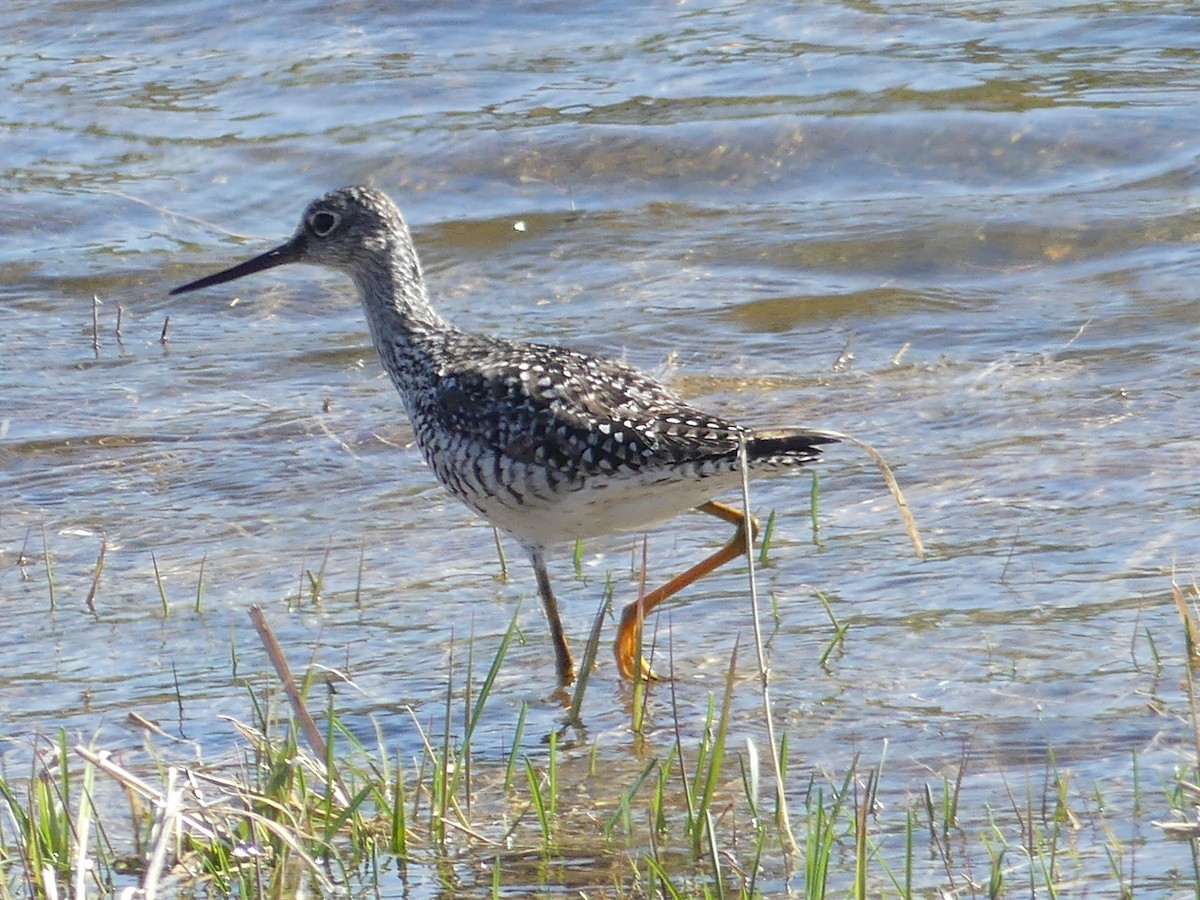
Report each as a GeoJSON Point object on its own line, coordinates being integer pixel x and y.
{"type": "Point", "coordinates": [547, 444]}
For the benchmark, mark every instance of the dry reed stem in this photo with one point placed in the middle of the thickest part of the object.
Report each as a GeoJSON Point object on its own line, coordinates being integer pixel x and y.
{"type": "Point", "coordinates": [1190, 624]}
{"type": "Point", "coordinates": [311, 732]}
{"type": "Point", "coordinates": [764, 672]}
{"type": "Point", "coordinates": [168, 823]}
{"type": "Point", "coordinates": [910, 522]}
{"type": "Point", "coordinates": [83, 831]}
{"type": "Point", "coordinates": [144, 789]}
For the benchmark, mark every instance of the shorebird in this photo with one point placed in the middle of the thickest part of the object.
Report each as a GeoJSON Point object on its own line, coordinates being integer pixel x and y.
{"type": "Point", "coordinates": [548, 444]}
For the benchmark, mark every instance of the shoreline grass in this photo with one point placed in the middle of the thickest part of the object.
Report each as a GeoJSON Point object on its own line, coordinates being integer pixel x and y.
{"type": "Point", "coordinates": [317, 804]}
{"type": "Point", "coordinates": [317, 808]}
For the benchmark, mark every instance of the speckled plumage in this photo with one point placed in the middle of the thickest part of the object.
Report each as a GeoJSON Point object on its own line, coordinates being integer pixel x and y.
{"type": "Point", "coordinates": [546, 443]}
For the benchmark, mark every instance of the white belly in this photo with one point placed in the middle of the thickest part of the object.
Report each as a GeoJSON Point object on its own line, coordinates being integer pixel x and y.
{"type": "Point", "coordinates": [605, 507]}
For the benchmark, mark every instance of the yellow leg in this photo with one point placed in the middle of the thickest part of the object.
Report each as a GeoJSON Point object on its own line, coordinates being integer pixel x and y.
{"type": "Point", "coordinates": [629, 633]}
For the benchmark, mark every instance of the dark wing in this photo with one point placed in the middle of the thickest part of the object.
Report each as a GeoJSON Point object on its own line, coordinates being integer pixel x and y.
{"type": "Point", "coordinates": [546, 405]}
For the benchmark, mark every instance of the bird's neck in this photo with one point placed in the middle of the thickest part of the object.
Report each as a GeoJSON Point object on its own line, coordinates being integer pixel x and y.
{"type": "Point", "coordinates": [397, 305]}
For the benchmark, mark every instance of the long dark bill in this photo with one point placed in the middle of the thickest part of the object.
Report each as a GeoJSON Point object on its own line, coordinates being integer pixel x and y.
{"type": "Point", "coordinates": [285, 253]}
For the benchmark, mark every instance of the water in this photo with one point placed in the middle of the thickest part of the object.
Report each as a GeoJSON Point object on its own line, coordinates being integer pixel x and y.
{"type": "Point", "coordinates": [986, 210]}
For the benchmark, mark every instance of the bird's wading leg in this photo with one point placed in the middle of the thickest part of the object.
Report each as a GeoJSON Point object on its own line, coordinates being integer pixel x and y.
{"type": "Point", "coordinates": [629, 633]}
{"type": "Point", "coordinates": [562, 653]}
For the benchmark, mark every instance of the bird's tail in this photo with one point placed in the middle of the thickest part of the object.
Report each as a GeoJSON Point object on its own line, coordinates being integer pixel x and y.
{"type": "Point", "coordinates": [792, 447]}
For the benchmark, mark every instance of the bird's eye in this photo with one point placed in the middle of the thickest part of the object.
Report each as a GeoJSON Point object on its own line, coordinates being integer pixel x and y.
{"type": "Point", "coordinates": [323, 223]}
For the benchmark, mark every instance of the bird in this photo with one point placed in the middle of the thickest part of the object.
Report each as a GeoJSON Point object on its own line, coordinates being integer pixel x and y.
{"type": "Point", "coordinates": [548, 444]}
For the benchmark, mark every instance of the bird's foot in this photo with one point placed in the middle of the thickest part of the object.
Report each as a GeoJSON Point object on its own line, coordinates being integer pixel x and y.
{"type": "Point", "coordinates": [626, 649]}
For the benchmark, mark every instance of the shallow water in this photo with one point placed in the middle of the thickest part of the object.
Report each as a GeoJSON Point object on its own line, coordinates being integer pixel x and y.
{"type": "Point", "coordinates": [965, 233]}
